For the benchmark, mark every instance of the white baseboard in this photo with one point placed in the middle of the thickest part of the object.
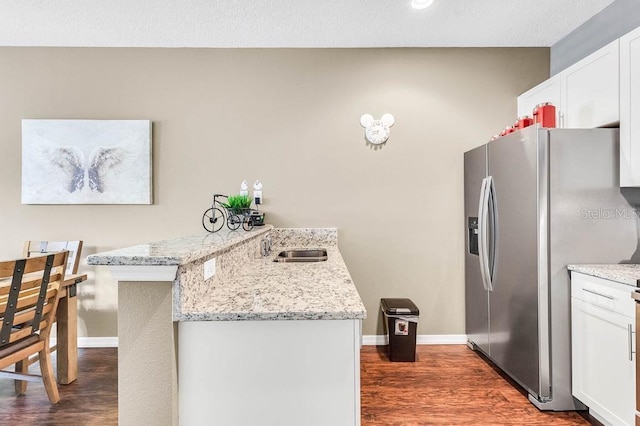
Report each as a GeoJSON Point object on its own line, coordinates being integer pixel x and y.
{"type": "Point", "coordinates": [94, 342]}
{"type": "Point", "coordinates": [374, 340]}
{"type": "Point", "coordinates": [97, 342]}
{"type": "Point", "coordinates": [367, 340]}
{"type": "Point", "coordinates": [421, 339]}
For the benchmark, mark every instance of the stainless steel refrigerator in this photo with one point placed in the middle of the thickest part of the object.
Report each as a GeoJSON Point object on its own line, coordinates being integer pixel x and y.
{"type": "Point", "coordinates": [537, 200]}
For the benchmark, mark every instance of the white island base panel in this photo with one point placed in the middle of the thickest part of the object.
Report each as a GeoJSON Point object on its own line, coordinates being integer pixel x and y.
{"type": "Point", "coordinates": [269, 373]}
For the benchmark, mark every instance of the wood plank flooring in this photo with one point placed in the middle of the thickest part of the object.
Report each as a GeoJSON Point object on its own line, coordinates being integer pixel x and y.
{"type": "Point", "coordinates": [91, 400]}
{"type": "Point", "coordinates": [447, 385]}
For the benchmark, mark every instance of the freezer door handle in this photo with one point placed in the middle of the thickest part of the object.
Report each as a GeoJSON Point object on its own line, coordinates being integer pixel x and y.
{"type": "Point", "coordinates": [482, 230]}
{"type": "Point", "coordinates": [490, 251]}
{"type": "Point", "coordinates": [483, 213]}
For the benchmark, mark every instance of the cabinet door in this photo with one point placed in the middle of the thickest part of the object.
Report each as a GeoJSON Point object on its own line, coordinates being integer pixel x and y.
{"type": "Point", "coordinates": [603, 373]}
{"type": "Point", "coordinates": [637, 369]}
{"type": "Point", "coordinates": [591, 90]}
{"type": "Point", "coordinates": [630, 109]}
{"type": "Point", "coordinates": [547, 91]}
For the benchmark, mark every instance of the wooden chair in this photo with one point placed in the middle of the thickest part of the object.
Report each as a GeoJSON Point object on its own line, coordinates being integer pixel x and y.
{"type": "Point", "coordinates": [39, 248]}
{"type": "Point", "coordinates": [29, 293]}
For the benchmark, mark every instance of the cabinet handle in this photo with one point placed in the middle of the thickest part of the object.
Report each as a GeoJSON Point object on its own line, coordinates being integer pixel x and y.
{"type": "Point", "coordinates": [598, 294]}
{"type": "Point", "coordinates": [630, 332]}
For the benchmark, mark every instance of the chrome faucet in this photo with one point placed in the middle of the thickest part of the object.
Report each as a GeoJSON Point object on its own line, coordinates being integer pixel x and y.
{"type": "Point", "coordinates": [265, 246]}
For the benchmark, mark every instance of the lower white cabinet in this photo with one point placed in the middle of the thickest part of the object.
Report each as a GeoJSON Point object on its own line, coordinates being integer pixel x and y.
{"type": "Point", "coordinates": [603, 348]}
{"type": "Point", "coordinates": [284, 373]}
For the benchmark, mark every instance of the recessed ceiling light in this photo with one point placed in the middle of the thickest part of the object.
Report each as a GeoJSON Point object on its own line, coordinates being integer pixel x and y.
{"type": "Point", "coordinates": [421, 4]}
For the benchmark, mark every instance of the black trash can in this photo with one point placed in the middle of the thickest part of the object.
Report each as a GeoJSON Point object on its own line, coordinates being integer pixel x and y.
{"type": "Point", "coordinates": [401, 321]}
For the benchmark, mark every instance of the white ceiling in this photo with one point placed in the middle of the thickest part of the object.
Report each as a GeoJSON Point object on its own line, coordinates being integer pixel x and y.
{"type": "Point", "coordinates": [291, 23]}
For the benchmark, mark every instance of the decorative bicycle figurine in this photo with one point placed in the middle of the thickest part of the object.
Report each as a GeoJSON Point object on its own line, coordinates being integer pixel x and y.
{"type": "Point", "coordinates": [238, 213]}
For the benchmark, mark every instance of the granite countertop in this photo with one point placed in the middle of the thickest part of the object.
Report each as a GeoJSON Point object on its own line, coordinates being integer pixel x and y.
{"type": "Point", "coordinates": [267, 290]}
{"type": "Point", "coordinates": [177, 251]}
{"type": "Point", "coordinates": [248, 286]}
{"type": "Point", "coordinates": [625, 273]}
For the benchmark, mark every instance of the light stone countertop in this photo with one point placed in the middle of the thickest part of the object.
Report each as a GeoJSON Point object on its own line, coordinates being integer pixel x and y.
{"type": "Point", "coordinates": [247, 286]}
{"type": "Point", "coordinates": [267, 290]}
{"type": "Point", "coordinates": [177, 251]}
{"type": "Point", "coordinates": [625, 273]}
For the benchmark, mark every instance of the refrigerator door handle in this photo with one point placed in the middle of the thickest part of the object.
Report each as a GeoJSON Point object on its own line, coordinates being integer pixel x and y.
{"type": "Point", "coordinates": [483, 210]}
{"type": "Point", "coordinates": [491, 239]}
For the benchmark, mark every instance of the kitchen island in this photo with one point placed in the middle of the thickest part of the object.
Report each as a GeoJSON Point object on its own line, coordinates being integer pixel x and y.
{"type": "Point", "coordinates": [257, 342]}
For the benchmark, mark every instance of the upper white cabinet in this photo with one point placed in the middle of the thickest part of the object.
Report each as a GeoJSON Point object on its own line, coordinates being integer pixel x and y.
{"type": "Point", "coordinates": [630, 109]}
{"type": "Point", "coordinates": [591, 90]}
{"type": "Point", "coordinates": [586, 95]}
{"type": "Point", "coordinates": [548, 91]}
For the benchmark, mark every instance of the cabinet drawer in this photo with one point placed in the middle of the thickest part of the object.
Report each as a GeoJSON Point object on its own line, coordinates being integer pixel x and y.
{"type": "Point", "coordinates": [610, 295]}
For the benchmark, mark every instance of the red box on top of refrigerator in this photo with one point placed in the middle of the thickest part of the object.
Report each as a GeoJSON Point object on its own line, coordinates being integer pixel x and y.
{"type": "Point", "coordinates": [545, 115]}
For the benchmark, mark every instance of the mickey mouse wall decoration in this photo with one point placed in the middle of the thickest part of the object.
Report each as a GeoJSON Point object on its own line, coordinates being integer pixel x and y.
{"type": "Point", "coordinates": [377, 131]}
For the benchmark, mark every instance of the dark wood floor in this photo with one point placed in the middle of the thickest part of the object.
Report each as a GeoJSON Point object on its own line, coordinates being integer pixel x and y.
{"type": "Point", "coordinates": [90, 400]}
{"type": "Point", "coordinates": [447, 385]}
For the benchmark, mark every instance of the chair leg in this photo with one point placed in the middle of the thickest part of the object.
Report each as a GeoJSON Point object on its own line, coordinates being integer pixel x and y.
{"type": "Point", "coordinates": [23, 368]}
{"type": "Point", "coordinates": [47, 375]}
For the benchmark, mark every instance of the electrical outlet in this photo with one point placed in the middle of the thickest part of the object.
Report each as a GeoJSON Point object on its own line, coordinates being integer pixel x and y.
{"type": "Point", "coordinates": [209, 268]}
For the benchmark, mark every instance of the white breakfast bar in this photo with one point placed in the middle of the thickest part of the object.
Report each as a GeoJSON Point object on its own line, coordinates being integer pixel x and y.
{"type": "Point", "coordinates": [259, 342]}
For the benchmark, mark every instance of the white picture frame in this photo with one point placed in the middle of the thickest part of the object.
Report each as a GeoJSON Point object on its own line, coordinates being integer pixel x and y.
{"type": "Point", "coordinates": [86, 162]}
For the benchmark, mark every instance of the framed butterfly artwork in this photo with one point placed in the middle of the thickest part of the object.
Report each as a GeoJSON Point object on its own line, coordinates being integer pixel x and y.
{"type": "Point", "coordinates": [86, 162]}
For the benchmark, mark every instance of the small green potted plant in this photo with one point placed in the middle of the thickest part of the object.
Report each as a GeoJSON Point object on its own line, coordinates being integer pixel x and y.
{"type": "Point", "coordinates": [238, 204]}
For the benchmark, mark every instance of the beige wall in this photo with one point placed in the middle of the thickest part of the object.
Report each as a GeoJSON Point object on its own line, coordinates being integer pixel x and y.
{"type": "Point", "coordinates": [291, 119]}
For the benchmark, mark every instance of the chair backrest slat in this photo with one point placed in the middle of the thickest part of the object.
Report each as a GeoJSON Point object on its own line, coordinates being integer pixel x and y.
{"type": "Point", "coordinates": [32, 283]}
{"type": "Point", "coordinates": [27, 316]}
{"type": "Point", "coordinates": [27, 299]}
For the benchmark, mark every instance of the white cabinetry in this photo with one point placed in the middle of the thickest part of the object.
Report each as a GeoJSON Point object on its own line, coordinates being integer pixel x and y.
{"type": "Point", "coordinates": [591, 90]}
{"type": "Point", "coordinates": [630, 109]}
{"type": "Point", "coordinates": [547, 91]}
{"type": "Point", "coordinates": [603, 348]}
{"type": "Point", "coordinates": [586, 95]}
{"type": "Point", "coordinates": [304, 372]}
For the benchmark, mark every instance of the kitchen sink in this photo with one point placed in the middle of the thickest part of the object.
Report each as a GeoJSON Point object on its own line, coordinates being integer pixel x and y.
{"type": "Point", "coordinates": [301, 256]}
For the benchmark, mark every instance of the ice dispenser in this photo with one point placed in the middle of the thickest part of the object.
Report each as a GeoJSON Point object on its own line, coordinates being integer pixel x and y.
{"type": "Point", "coordinates": [473, 235]}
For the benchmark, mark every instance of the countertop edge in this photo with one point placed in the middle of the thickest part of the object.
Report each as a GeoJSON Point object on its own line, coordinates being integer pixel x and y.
{"type": "Point", "coordinates": [112, 258]}
{"type": "Point", "coordinates": [283, 316]}
{"type": "Point", "coordinates": [624, 273]}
